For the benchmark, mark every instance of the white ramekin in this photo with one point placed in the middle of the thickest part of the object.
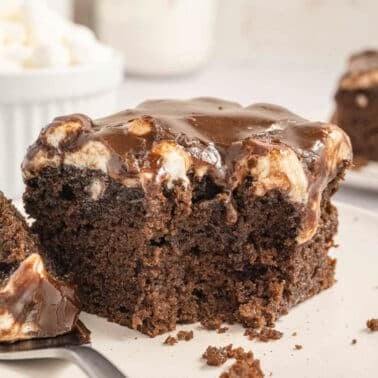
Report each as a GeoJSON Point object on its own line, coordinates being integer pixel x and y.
{"type": "Point", "coordinates": [30, 99]}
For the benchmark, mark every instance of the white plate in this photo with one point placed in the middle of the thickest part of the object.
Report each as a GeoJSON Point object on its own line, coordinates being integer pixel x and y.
{"type": "Point", "coordinates": [364, 178]}
{"type": "Point", "coordinates": [325, 326]}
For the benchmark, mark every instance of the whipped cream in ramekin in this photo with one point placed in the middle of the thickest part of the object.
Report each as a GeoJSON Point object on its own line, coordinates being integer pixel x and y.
{"type": "Point", "coordinates": [33, 36]}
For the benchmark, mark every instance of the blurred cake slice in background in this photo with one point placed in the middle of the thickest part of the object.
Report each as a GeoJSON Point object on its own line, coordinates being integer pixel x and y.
{"type": "Point", "coordinates": [357, 105]}
{"type": "Point", "coordinates": [33, 304]}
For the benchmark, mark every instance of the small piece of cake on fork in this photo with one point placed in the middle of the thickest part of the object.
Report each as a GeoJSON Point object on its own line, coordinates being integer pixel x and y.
{"type": "Point", "coordinates": [183, 211]}
{"type": "Point", "coordinates": [33, 303]}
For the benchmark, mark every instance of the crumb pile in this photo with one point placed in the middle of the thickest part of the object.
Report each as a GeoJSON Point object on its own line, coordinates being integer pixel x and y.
{"type": "Point", "coordinates": [265, 334]}
{"type": "Point", "coordinates": [181, 336]}
{"type": "Point", "coordinates": [245, 366]}
{"type": "Point", "coordinates": [372, 324]}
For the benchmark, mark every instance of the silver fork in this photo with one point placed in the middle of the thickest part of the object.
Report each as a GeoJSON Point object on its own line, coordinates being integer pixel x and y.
{"type": "Point", "coordinates": [65, 347]}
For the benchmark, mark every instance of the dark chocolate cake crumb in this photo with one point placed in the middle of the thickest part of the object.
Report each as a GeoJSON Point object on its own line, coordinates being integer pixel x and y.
{"type": "Point", "coordinates": [246, 366]}
{"type": "Point", "coordinates": [298, 347]}
{"type": "Point", "coordinates": [239, 353]}
{"type": "Point", "coordinates": [265, 334]}
{"type": "Point", "coordinates": [170, 340]}
{"type": "Point", "coordinates": [251, 333]}
{"type": "Point", "coordinates": [222, 330]}
{"type": "Point", "coordinates": [354, 341]}
{"type": "Point", "coordinates": [185, 335]}
{"type": "Point", "coordinates": [211, 324]}
{"type": "Point", "coordinates": [217, 356]}
{"type": "Point", "coordinates": [372, 324]}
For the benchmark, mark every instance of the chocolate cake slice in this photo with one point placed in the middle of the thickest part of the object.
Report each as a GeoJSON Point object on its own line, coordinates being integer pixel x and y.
{"type": "Point", "coordinates": [184, 211]}
{"type": "Point", "coordinates": [33, 304]}
{"type": "Point", "coordinates": [357, 104]}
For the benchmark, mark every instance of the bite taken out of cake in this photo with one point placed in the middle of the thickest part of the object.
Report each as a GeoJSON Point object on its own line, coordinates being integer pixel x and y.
{"type": "Point", "coordinates": [184, 211]}
{"type": "Point", "coordinates": [33, 303]}
{"type": "Point", "coordinates": [357, 105]}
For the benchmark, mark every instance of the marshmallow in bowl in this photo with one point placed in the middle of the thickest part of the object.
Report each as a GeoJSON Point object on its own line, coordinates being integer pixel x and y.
{"type": "Point", "coordinates": [33, 36]}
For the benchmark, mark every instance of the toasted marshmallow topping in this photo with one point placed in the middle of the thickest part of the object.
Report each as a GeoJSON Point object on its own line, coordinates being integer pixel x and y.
{"type": "Point", "coordinates": [139, 127]}
{"type": "Point", "coordinates": [61, 132]}
{"type": "Point", "coordinates": [92, 155]}
{"type": "Point", "coordinates": [6, 321]}
{"type": "Point", "coordinates": [281, 169]}
{"type": "Point", "coordinates": [41, 159]}
{"type": "Point", "coordinates": [174, 163]}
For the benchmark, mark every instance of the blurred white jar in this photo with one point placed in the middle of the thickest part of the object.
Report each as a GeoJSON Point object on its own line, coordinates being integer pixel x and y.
{"type": "Point", "coordinates": [159, 37]}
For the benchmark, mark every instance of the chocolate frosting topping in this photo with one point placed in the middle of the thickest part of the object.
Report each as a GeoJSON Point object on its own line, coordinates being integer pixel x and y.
{"type": "Point", "coordinates": [166, 142]}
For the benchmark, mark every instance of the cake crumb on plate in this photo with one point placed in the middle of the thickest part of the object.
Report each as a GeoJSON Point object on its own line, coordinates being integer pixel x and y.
{"type": "Point", "coordinates": [215, 356]}
{"type": "Point", "coordinates": [185, 335]}
{"type": "Point", "coordinates": [245, 365]}
{"type": "Point", "coordinates": [222, 330]}
{"type": "Point", "coordinates": [265, 334]}
{"type": "Point", "coordinates": [372, 324]}
{"type": "Point", "coordinates": [170, 340]}
{"type": "Point", "coordinates": [211, 324]}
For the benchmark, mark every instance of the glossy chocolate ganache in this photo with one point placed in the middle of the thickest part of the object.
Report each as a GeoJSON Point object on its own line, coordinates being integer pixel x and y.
{"type": "Point", "coordinates": [168, 143]}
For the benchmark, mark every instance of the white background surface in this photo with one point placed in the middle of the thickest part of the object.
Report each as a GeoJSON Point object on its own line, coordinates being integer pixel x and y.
{"type": "Point", "coordinates": [325, 326]}
{"type": "Point", "coordinates": [294, 31]}
{"type": "Point", "coordinates": [314, 32]}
